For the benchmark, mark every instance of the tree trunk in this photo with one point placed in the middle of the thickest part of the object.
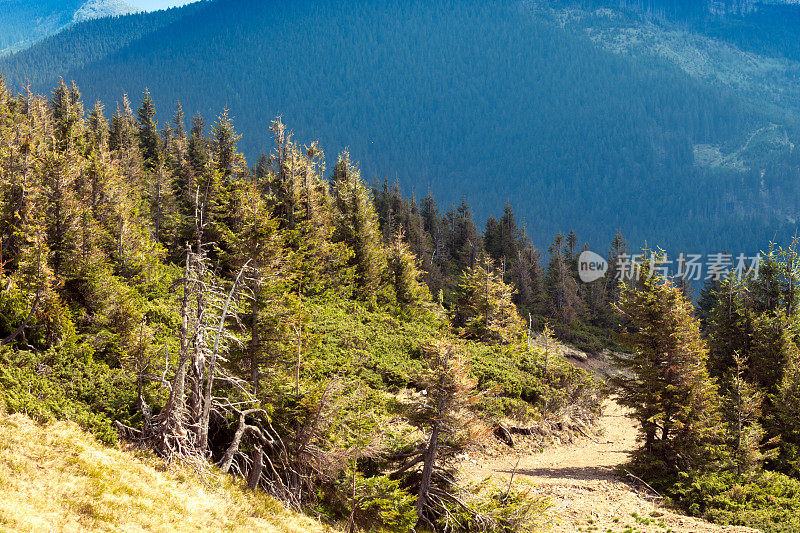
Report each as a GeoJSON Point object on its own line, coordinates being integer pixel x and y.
{"type": "Point", "coordinates": [212, 366]}
{"type": "Point", "coordinates": [258, 466]}
{"type": "Point", "coordinates": [430, 459]}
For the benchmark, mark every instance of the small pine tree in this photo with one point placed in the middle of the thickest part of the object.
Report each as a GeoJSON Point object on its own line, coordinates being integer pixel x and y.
{"type": "Point", "coordinates": [741, 411]}
{"type": "Point", "coordinates": [548, 344]}
{"type": "Point", "coordinates": [404, 273]}
{"type": "Point", "coordinates": [485, 308]}
{"type": "Point", "coordinates": [444, 412]}
{"type": "Point", "coordinates": [665, 381]}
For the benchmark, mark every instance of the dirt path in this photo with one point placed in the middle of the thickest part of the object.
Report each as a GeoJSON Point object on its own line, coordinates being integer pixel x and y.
{"type": "Point", "coordinates": [583, 489]}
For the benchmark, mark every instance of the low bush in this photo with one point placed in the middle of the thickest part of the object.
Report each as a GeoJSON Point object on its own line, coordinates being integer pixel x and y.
{"type": "Point", "coordinates": [67, 384]}
{"type": "Point", "coordinates": [768, 500]}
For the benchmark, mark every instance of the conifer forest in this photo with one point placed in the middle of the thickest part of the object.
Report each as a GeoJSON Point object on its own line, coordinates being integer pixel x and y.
{"type": "Point", "coordinates": [351, 266]}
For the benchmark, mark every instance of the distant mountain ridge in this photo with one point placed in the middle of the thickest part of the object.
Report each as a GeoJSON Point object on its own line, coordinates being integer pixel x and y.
{"type": "Point", "coordinates": [25, 22]}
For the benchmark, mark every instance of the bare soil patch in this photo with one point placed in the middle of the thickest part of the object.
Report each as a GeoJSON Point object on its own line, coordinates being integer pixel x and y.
{"type": "Point", "coordinates": [580, 480]}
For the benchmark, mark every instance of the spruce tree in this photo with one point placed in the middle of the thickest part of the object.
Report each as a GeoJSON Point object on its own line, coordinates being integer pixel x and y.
{"type": "Point", "coordinates": [786, 419]}
{"type": "Point", "coordinates": [665, 381]}
{"type": "Point", "coordinates": [560, 282]}
{"type": "Point", "coordinates": [484, 306]}
{"type": "Point", "coordinates": [730, 323]}
{"type": "Point", "coordinates": [259, 245]}
{"type": "Point", "coordinates": [147, 132]}
{"type": "Point", "coordinates": [229, 161]}
{"type": "Point", "coordinates": [67, 112]}
{"type": "Point", "coordinates": [741, 411]}
{"type": "Point", "coordinates": [404, 273]}
{"type": "Point", "coordinates": [463, 243]}
{"type": "Point", "coordinates": [614, 275]}
{"type": "Point", "coordinates": [444, 414]}
{"type": "Point", "coordinates": [356, 224]}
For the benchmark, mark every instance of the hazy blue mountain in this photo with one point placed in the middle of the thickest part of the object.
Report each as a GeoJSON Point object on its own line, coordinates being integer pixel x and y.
{"type": "Point", "coordinates": [25, 22]}
{"type": "Point", "coordinates": [494, 101]}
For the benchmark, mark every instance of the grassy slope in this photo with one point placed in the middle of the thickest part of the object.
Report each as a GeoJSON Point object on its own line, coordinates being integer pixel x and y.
{"type": "Point", "coordinates": [57, 476]}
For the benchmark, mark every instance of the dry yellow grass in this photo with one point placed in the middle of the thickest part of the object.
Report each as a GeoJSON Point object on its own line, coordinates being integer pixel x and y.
{"type": "Point", "coordinates": [57, 478]}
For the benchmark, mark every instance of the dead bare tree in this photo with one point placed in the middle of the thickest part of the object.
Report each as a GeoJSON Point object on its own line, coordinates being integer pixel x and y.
{"type": "Point", "coordinates": [181, 428]}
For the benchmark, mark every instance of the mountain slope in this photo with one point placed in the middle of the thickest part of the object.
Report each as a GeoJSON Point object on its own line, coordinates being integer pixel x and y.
{"type": "Point", "coordinates": [87, 42]}
{"type": "Point", "coordinates": [481, 100]}
{"type": "Point", "coordinates": [23, 23]}
{"type": "Point", "coordinates": [56, 476]}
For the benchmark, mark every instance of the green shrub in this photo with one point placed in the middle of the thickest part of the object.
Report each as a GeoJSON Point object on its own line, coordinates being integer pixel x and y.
{"type": "Point", "coordinates": [768, 501]}
{"type": "Point", "coordinates": [61, 384]}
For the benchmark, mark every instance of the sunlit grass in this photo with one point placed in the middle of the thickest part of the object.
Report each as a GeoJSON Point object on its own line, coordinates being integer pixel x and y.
{"type": "Point", "coordinates": [55, 477]}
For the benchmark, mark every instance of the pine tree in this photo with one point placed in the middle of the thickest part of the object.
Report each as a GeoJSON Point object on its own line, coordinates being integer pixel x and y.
{"type": "Point", "coordinates": [59, 173]}
{"type": "Point", "coordinates": [404, 273]}
{"type": "Point", "coordinates": [463, 243]}
{"type": "Point", "coordinates": [560, 283]}
{"type": "Point", "coordinates": [528, 278]}
{"type": "Point", "coordinates": [356, 224]}
{"type": "Point", "coordinates": [614, 274]}
{"type": "Point", "coordinates": [67, 111]}
{"type": "Point", "coordinates": [549, 345]}
{"type": "Point", "coordinates": [259, 245]}
{"type": "Point", "coordinates": [741, 412]}
{"type": "Point", "coordinates": [786, 420]}
{"type": "Point", "coordinates": [776, 287]}
{"type": "Point", "coordinates": [123, 143]}
{"type": "Point", "coordinates": [229, 161]}
{"type": "Point", "coordinates": [707, 302]}
{"type": "Point", "coordinates": [484, 306]}
{"type": "Point", "coordinates": [434, 263]}
{"type": "Point", "coordinates": [771, 348]}
{"type": "Point", "coordinates": [730, 325]}
{"type": "Point", "coordinates": [665, 381]}
{"type": "Point", "coordinates": [444, 414]}
{"type": "Point", "coordinates": [503, 239]}
{"type": "Point", "coordinates": [147, 132]}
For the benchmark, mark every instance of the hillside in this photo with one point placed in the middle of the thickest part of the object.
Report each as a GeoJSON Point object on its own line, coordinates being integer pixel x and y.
{"type": "Point", "coordinates": [481, 100]}
{"type": "Point", "coordinates": [56, 477]}
{"type": "Point", "coordinates": [24, 23]}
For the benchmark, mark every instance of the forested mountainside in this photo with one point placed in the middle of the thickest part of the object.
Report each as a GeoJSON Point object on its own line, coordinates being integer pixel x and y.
{"type": "Point", "coordinates": [88, 42]}
{"type": "Point", "coordinates": [340, 348]}
{"type": "Point", "coordinates": [23, 23]}
{"type": "Point", "coordinates": [764, 27]}
{"type": "Point", "coordinates": [693, 10]}
{"type": "Point", "coordinates": [476, 99]}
